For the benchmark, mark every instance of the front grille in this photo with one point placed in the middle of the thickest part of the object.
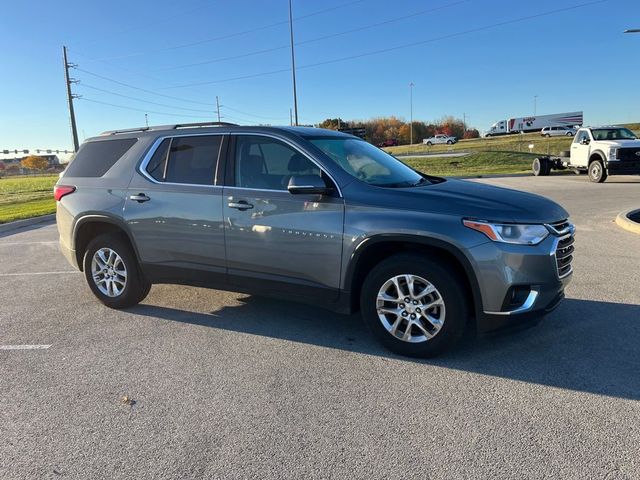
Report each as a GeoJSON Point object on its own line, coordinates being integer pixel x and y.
{"type": "Point", "coordinates": [628, 154]}
{"type": "Point", "coordinates": [560, 228]}
{"type": "Point", "coordinates": [564, 255]}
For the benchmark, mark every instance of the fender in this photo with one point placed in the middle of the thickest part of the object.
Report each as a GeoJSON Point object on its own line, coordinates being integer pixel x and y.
{"type": "Point", "coordinates": [420, 240]}
{"type": "Point", "coordinates": [599, 153]}
{"type": "Point", "coordinates": [92, 217]}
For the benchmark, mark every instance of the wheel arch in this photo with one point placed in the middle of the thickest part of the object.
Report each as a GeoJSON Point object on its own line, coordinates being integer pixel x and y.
{"type": "Point", "coordinates": [91, 225]}
{"type": "Point", "coordinates": [375, 249]}
{"type": "Point", "coordinates": [597, 155]}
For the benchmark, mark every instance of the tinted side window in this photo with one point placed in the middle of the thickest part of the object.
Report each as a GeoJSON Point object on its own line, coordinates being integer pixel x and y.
{"type": "Point", "coordinates": [266, 163]}
{"type": "Point", "coordinates": [94, 159]}
{"type": "Point", "coordinates": [193, 160]}
{"type": "Point", "coordinates": [156, 165]}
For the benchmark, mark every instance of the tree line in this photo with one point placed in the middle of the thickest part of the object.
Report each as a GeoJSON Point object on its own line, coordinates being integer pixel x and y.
{"type": "Point", "coordinates": [381, 129]}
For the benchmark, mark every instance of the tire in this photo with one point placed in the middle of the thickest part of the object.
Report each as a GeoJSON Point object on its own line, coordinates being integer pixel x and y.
{"type": "Point", "coordinates": [597, 172]}
{"type": "Point", "coordinates": [113, 291]}
{"type": "Point", "coordinates": [547, 135]}
{"type": "Point", "coordinates": [570, 134]}
{"type": "Point", "coordinates": [541, 167]}
{"type": "Point", "coordinates": [449, 142]}
{"type": "Point", "coordinates": [429, 144]}
{"type": "Point", "coordinates": [450, 312]}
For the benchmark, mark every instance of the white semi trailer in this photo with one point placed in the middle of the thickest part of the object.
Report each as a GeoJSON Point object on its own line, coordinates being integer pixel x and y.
{"type": "Point", "coordinates": [535, 123]}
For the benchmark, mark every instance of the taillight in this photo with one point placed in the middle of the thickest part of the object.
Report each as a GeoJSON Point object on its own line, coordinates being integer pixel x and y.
{"type": "Point", "coordinates": [60, 191]}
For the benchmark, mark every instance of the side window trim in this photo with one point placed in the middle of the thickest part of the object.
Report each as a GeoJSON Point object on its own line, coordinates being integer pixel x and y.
{"type": "Point", "coordinates": [142, 168]}
{"type": "Point", "coordinates": [229, 179]}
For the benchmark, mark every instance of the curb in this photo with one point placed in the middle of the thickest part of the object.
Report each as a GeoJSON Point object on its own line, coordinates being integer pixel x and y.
{"type": "Point", "coordinates": [625, 222]}
{"type": "Point", "coordinates": [7, 227]}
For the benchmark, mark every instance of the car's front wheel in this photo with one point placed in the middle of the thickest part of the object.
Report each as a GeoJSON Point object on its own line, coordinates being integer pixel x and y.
{"type": "Point", "coordinates": [429, 143]}
{"type": "Point", "coordinates": [112, 272]}
{"type": "Point", "coordinates": [597, 173]}
{"type": "Point", "coordinates": [415, 306]}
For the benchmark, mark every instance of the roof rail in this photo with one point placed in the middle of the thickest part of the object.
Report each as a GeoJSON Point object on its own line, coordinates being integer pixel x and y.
{"type": "Point", "coordinates": [205, 124]}
{"type": "Point", "coordinates": [169, 127]}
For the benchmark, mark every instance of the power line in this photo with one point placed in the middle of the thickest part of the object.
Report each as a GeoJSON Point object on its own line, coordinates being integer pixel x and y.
{"type": "Point", "coordinates": [140, 109]}
{"type": "Point", "coordinates": [317, 39]}
{"type": "Point", "coordinates": [390, 49]}
{"type": "Point", "coordinates": [232, 35]}
{"type": "Point", "coordinates": [85, 85]}
{"type": "Point", "coordinates": [143, 89]}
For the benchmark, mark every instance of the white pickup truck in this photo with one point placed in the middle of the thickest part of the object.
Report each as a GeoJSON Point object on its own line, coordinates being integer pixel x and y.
{"type": "Point", "coordinates": [598, 151]}
{"type": "Point", "coordinates": [440, 138]}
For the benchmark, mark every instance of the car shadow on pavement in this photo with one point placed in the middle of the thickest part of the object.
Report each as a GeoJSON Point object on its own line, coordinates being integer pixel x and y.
{"type": "Point", "coordinates": [584, 345]}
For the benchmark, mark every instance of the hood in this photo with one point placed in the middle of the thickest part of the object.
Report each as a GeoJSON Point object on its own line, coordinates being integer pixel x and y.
{"type": "Point", "coordinates": [619, 143]}
{"type": "Point", "coordinates": [471, 200]}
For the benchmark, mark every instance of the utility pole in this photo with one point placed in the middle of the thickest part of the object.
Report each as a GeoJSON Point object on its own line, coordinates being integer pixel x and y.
{"type": "Point", "coordinates": [632, 30]}
{"type": "Point", "coordinates": [218, 107]}
{"type": "Point", "coordinates": [464, 121]}
{"type": "Point", "coordinates": [146, 120]}
{"type": "Point", "coordinates": [293, 66]}
{"type": "Point", "coordinates": [535, 104]}
{"type": "Point", "coordinates": [70, 97]}
{"type": "Point", "coordinates": [290, 117]}
{"type": "Point", "coordinates": [411, 113]}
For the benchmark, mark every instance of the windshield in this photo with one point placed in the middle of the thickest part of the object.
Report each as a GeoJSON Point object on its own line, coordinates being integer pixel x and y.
{"type": "Point", "coordinates": [368, 163]}
{"type": "Point", "coordinates": [612, 134]}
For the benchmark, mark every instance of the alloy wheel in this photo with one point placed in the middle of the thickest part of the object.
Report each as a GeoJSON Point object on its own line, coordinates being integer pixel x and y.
{"type": "Point", "coordinates": [109, 272]}
{"type": "Point", "coordinates": [410, 308]}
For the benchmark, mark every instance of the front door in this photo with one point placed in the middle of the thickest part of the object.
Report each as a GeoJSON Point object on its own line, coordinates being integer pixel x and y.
{"type": "Point", "coordinates": [174, 208]}
{"type": "Point", "coordinates": [579, 150]}
{"type": "Point", "coordinates": [277, 241]}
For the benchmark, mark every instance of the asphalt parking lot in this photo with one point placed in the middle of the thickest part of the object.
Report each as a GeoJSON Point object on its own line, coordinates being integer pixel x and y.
{"type": "Point", "coordinates": [224, 385]}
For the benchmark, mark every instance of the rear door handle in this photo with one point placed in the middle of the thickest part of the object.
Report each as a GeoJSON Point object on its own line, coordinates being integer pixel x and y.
{"type": "Point", "coordinates": [241, 205]}
{"type": "Point", "coordinates": [141, 197]}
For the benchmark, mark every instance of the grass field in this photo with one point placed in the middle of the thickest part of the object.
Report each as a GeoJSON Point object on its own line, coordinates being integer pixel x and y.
{"type": "Point", "coordinates": [478, 163]}
{"type": "Point", "coordinates": [26, 197]}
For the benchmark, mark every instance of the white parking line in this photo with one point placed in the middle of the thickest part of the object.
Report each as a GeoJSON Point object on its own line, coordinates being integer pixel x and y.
{"type": "Point", "coordinates": [24, 347]}
{"type": "Point", "coordinates": [14, 244]}
{"type": "Point", "coordinates": [36, 273]}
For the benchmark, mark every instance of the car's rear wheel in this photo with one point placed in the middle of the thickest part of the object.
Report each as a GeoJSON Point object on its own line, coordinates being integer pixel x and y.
{"type": "Point", "coordinates": [547, 135]}
{"type": "Point", "coordinates": [429, 143]}
{"type": "Point", "coordinates": [414, 306]}
{"type": "Point", "coordinates": [541, 167]}
{"type": "Point", "coordinates": [597, 172]}
{"type": "Point", "coordinates": [112, 272]}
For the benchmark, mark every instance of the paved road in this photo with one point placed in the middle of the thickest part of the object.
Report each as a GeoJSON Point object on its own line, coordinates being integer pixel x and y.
{"type": "Point", "coordinates": [233, 386]}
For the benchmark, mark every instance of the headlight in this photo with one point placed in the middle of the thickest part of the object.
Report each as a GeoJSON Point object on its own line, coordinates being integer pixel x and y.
{"type": "Point", "coordinates": [509, 232]}
{"type": "Point", "coordinates": [613, 153]}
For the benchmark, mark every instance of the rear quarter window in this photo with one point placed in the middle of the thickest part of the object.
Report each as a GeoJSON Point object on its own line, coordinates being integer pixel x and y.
{"type": "Point", "coordinates": [94, 159]}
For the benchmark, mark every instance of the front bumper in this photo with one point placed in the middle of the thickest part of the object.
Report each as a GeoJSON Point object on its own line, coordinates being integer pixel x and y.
{"type": "Point", "coordinates": [518, 283]}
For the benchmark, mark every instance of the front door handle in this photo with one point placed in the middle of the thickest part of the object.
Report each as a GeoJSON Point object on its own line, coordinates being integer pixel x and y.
{"type": "Point", "coordinates": [241, 205]}
{"type": "Point", "coordinates": [141, 197]}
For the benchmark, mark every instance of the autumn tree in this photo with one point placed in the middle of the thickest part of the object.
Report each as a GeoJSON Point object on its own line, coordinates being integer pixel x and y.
{"type": "Point", "coordinates": [12, 167]}
{"type": "Point", "coordinates": [471, 133]}
{"type": "Point", "coordinates": [34, 162]}
{"type": "Point", "coordinates": [332, 123]}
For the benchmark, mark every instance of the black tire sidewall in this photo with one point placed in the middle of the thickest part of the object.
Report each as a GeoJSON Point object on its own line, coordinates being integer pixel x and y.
{"type": "Point", "coordinates": [136, 287]}
{"type": "Point", "coordinates": [445, 281]}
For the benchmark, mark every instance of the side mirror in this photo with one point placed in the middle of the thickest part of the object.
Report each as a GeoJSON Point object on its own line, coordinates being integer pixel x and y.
{"type": "Point", "coordinates": [585, 141]}
{"type": "Point", "coordinates": [308, 184]}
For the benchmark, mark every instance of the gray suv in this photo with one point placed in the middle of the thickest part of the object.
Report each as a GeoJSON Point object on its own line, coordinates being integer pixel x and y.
{"type": "Point", "coordinates": [310, 215]}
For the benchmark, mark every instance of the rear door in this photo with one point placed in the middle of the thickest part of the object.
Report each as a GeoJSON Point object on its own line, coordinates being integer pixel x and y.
{"type": "Point", "coordinates": [277, 241]}
{"type": "Point", "coordinates": [174, 206]}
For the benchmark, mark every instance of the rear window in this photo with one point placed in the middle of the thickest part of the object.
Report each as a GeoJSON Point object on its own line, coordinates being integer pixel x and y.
{"type": "Point", "coordinates": [95, 158]}
{"type": "Point", "coordinates": [187, 160]}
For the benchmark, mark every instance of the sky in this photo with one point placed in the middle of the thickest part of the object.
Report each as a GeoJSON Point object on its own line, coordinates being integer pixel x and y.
{"type": "Point", "coordinates": [485, 59]}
